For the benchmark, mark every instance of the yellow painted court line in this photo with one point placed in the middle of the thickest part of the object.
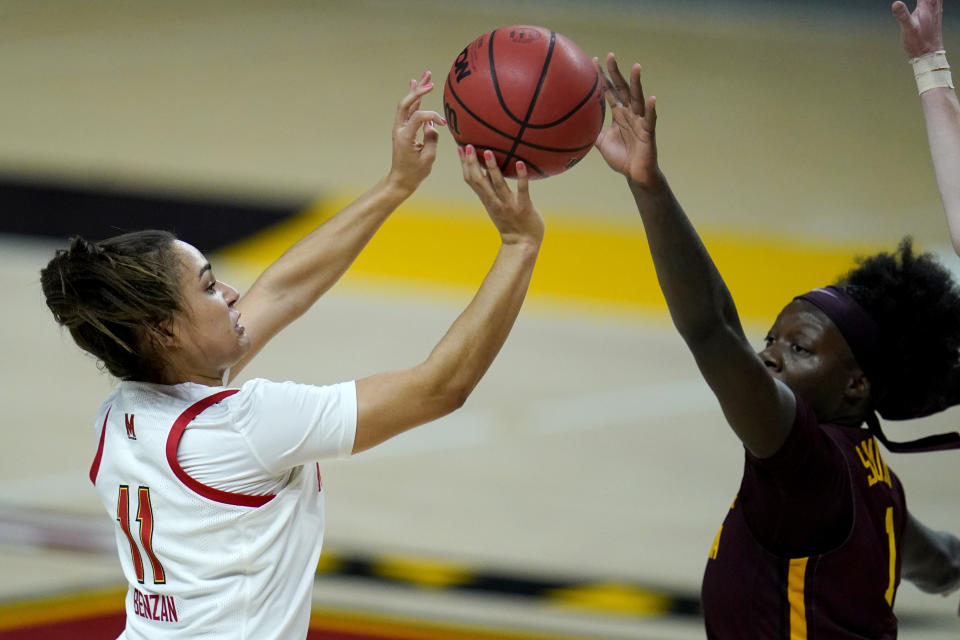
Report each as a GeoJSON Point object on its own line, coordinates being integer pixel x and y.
{"type": "Point", "coordinates": [329, 563]}
{"type": "Point", "coordinates": [423, 572]}
{"type": "Point", "coordinates": [58, 608]}
{"type": "Point", "coordinates": [603, 265]}
{"type": "Point", "coordinates": [402, 628]}
{"type": "Point", "coordinates": [611, 598]}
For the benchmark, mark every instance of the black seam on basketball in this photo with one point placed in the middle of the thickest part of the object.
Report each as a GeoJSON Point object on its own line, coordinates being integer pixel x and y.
{"type": "Point", "coordinates": [530, 165]}
{"type": "Point", "coordinates": [533, 100]}
{"type": "Point", "coordinates": [496, 83]}
{"type": "Point", "coordinates": [474, 115]}
{"type": "Point", "coordinates": [571, 112]}
{"type": "Point", "coordinates": [534, 167]}
{"type": "Point", "coordinates": [541, 147]}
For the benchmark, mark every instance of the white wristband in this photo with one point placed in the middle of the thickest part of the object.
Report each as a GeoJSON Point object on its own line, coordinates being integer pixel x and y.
{"type": "Point", "coordinates": [931, 70]}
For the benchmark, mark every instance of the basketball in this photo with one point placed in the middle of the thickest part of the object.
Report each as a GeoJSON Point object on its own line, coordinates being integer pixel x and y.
{"type": "Point", "coordinates": [526, 93]}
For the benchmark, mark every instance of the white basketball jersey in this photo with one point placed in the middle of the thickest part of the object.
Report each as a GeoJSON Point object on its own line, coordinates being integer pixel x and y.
{"type": "Point", "coordinates": [204, 562]}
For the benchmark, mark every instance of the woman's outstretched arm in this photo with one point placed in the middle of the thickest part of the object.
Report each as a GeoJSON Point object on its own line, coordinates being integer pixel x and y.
{"type": "Point", "coordinates": [758, 408]}
{"type": "Point", "coordinates": [392, 402]}
{"type": "Point", "coordinates": [292, 284]}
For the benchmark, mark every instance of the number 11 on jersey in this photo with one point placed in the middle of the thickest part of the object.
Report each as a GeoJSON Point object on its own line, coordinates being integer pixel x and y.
{"type": "Point", "coordinates": [145, 518]}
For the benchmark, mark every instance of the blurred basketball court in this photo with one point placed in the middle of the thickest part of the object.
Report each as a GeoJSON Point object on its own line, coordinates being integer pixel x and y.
{"type": "Point", "coordinates": [577, 493]}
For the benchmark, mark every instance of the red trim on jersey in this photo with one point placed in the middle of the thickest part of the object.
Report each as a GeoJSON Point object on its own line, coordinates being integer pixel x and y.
{"type": "Point", "coordinates": [95, 467]}
{"type": "Point", "coordinates": [173, 441]}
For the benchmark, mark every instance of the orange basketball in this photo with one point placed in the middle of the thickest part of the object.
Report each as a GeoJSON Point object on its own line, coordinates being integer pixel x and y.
{"type": "Point", "coordinates": [526, 93]}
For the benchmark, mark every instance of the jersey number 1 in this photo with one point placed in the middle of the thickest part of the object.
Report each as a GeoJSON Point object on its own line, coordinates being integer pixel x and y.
{"type": "Point", "coordinates": [892, 543]}
{"type": "Point", "coordinates": [145, 518]}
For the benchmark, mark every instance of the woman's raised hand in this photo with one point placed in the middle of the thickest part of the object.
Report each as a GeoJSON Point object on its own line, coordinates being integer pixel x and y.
{"type": "Point", "coordinates": [513, 213]}
{"type": "Point", "coordinates": [413, 153]}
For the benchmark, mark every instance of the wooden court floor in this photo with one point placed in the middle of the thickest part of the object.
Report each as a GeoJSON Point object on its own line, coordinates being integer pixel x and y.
{"type": "Point", "coordinates": [588, 473]}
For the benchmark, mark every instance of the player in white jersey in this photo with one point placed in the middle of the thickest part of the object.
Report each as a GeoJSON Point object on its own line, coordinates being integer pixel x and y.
{"type": "Point", "coordinates": [216, 491]}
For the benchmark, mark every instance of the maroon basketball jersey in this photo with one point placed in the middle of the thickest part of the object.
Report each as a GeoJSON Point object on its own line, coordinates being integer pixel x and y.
{"type": "Point", "coordinates": [845, 593]}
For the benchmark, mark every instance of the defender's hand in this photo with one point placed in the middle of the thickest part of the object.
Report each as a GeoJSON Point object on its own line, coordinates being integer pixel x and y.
{"type": "Point", "coordinates": [629, 143]}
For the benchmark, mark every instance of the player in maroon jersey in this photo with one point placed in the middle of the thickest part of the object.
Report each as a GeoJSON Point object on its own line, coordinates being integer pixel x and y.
{"type": "Point", "coordinates": [817, 539]}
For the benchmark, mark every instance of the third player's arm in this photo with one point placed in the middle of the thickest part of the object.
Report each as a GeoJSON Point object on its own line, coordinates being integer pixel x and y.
{"type": "Point", "coordinates": [941, 111]}
{"type": "Point", "coordinates": [921, 34]}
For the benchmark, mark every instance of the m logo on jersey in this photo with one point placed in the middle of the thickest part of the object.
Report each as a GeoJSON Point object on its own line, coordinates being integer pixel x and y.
{"type": "Point", "coordinates": [128, 421]}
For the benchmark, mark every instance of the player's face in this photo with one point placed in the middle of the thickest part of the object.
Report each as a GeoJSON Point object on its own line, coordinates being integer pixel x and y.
{"type": "Point", "coordinates": [207, 335]}
{"type": "Point", "coordinates": [805, 350]}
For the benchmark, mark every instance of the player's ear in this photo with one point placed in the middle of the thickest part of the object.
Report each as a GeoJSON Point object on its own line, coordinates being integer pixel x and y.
{"type": "Point", "coordinates": [159, 337]}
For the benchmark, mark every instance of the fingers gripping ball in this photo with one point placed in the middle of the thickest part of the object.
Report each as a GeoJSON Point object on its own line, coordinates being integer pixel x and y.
{"type": "Point", "coordinates": [526, 93]}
